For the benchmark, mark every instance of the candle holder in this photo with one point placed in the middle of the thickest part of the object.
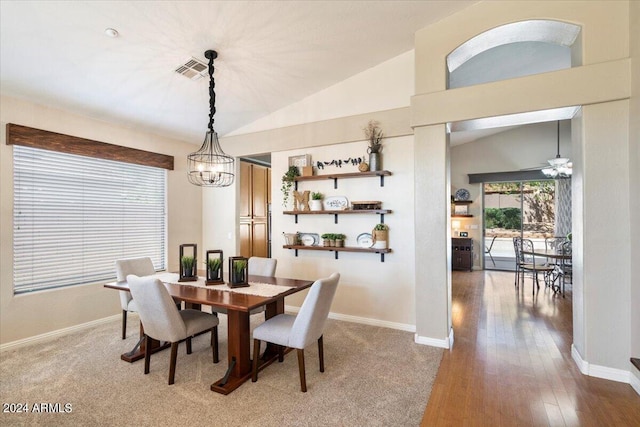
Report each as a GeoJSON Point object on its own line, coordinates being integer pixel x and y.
{"type": "Point", "coordinates": [188, 263]}
{"type": "Point", "coordinates": [238, 276]}
{"type": "Point", "coordinates": [214, 267]}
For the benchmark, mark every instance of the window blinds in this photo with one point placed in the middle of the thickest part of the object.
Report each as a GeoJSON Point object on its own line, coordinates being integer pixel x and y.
{"type": "Point", "coordinates": [74, 216]}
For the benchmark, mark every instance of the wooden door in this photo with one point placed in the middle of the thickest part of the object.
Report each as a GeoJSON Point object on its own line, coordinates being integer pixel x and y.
{"type": "Point", "coordinates": [255, 197]}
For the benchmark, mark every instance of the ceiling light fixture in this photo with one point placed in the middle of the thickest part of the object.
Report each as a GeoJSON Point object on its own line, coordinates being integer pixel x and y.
{"type": "Point", "coordinates": [560, 167]}
{"type": "Point", "coordinates": [210, 166]}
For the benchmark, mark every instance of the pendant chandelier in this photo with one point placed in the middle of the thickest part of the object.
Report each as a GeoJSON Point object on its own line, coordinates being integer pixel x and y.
{"type": "Point", "coordinates": [560, 167]}
{"type": "Point", "coordinates": [210, 166]}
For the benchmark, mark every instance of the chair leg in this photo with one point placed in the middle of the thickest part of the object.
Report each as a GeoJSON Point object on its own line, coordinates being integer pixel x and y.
{"type": "Point", "coordinates": [321, 353]}
{"type": "Point", "coordinates": [214, 344]}
{"type": "Point", "coordinates": [124, 324]}
{"type": "Point", "coordinates": [256, 356]}
{"type": "Point", "coordinates": [303, 380]}
{"type": "Point", "coordinates": [147, 353]}
{"type": "Point", "coordinates": [188, 345]}
{"type": "Point", "coordinates": [172, 363]}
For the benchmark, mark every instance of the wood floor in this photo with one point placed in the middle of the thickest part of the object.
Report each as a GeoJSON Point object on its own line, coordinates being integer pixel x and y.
{"type": "Point", "coordinates": [511, 363]}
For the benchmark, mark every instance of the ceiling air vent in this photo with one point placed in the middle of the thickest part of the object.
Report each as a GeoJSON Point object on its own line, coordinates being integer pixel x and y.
{"type": "Point", "coordinates": [193, 69]}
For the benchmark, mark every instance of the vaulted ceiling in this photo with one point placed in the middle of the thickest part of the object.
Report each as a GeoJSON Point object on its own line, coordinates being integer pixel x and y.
{"type": "Point", "coordinates": [271, 54]}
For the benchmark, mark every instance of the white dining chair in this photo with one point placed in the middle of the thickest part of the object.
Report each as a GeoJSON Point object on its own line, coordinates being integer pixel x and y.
{"type": "Point", "coordinates": [124, 267]}
{"type": "Point", "coordinates": [162, 321]}
{"type": "Point", "coordinates": [286, 330]}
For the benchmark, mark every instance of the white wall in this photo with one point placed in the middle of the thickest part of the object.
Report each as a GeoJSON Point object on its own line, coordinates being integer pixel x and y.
{"type": "Point", "coordinates": [36, 313]}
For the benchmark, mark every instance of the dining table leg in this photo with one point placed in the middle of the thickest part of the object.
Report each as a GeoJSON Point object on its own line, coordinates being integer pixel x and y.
{"type": "Point", "coordinates": [239, 350]}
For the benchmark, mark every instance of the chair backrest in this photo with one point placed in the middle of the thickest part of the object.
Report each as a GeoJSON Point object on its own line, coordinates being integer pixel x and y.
{"type": "Point", "coordinates": [157, 310]}
{"type": "Point", "coordinates": [527, 246]}
{"type": "Point", "coordinates": [262, 266]}
{"type": "Point", "coordinates": [311, 318]}
{"type": "Point", "coordinates": [493, 239]}
{"type": "Point", "coordinates": [554, 243]}
{"type": "Point", "coordinates": [137, 266]}
{"type": "Point", "coordinates": [517, 247]}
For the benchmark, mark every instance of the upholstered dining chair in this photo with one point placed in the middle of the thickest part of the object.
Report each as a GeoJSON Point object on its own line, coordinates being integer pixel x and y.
{"type": "Point", "coordinates": [262, 266]}
{"type": "Point", "coordinates": [124, 267]}
{"type": "Point", "coordinates": [163, 321]}
{"type": "Point", "coordinates": [299, 331]}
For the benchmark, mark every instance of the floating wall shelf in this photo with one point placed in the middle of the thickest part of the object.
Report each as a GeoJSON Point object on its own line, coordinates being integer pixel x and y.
{"type": "Point", "coordinates": [380, 212]}
{"type": "Point", "coordinates": [336, 250]}
{"type": "Point", "coordinates": [336, 176]}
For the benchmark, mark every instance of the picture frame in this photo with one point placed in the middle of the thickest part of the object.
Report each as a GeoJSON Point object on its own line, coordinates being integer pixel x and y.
{"type": "Point", "coordinates": [300, 161]}
{"type": "Point", "coordinates": [460, 210]}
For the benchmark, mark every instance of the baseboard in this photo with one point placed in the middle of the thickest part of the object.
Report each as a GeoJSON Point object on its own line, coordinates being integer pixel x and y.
{"type": "Point", "coordinates": [53, 334]}
{"type": "Point", "coordinates": [582, 365]}
{"type": "Point", "coordinates": [635, 382]}
{"type": "Point", "coordinates": [362, 320]}
{"type": "Point", "coordinates": [435, 342]}
{"type": "Point", "coordinates": [604, 372]}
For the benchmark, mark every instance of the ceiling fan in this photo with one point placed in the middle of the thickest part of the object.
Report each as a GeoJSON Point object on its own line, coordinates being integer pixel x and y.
{"type": "Point", "coordinates": [558, 167]}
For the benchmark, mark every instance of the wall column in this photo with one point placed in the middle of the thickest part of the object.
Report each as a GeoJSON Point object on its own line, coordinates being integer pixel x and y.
{"type": "Point", "coordinates": [432, 236]}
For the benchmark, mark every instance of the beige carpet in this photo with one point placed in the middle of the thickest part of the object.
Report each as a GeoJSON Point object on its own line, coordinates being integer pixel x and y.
{"type": "Point", "coordinates": [374, 377]}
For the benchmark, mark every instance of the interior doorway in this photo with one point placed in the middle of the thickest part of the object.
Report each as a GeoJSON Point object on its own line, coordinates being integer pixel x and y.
{"type": "Point", "coordinates": [524, 209]}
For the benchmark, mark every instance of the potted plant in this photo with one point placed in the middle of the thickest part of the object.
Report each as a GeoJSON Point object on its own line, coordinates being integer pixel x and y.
{"type": "Point", "coordinates": [374, 134]}
{"type": "Point", "coordinates": [339, 238]}
{"type": "Point", "coordinates": [315, 204]}
{"type": "Point", "coordinates": [213, 268]}
{"type": "Point", "coordinates": [287, 182]}
{"type": "Point", "coordinates": [328, 239]}
{"type": "Point", "coordinates": [380, 236]}
{"type": "Point", "coordinates": [238, 272]}
{"type": "Point", "coordinates": [187, 263]}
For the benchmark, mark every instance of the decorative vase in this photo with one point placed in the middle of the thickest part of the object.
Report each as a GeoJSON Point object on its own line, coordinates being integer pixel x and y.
{"type": "Point", "coordinates": [375, 162]}
{"type": "Point", "coordinates": [315, 205]}
{"type": "Point", "coordinates": [380, 239]}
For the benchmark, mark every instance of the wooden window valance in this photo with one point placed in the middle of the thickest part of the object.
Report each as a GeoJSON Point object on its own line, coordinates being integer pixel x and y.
{"type": "Point", "coordinates": [37, 138]}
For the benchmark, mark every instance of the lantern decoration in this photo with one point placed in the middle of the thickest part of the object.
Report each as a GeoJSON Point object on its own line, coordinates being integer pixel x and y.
{"type": "Point", "coordinates": [214, 267]}
{"type": "Point", "coordinates": [238, 272]}
{"type": "Point", "coordinates": [188, 263]}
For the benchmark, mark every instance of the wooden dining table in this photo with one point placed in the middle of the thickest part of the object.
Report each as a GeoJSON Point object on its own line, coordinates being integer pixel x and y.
{"type": "Point", "coordinates": [238, 307]}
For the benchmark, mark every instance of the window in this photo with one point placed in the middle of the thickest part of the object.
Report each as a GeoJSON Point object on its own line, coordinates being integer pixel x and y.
{"type": "Point", "coordinates": [74, 216]}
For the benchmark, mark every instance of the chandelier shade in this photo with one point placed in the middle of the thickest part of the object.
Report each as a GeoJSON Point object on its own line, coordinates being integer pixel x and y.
{"type": "Point", "coordinates": [559, 167]}
{"type": "Point", "coordinates": [210, 166]}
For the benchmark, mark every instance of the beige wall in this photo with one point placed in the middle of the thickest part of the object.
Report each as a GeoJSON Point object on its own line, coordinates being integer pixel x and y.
{"type": "Point", "coordinates": [634, 179]}
{"type": "Point", "coordinates": [36, 313]}
{"type": "Point", "coordinates": [604, 79]}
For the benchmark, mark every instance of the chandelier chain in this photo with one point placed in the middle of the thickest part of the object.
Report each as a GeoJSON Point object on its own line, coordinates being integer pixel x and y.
{"type": "Point", "coordinates": [212, 93]}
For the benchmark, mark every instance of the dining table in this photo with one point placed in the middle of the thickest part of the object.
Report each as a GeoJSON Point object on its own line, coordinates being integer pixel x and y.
{"type": "Point", "coordinates": [237, 303]}
{"type": "Point", "coordinates": [558, 275]}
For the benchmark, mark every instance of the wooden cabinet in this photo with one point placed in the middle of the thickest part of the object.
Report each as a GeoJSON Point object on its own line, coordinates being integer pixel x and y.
{"type": "Point", "coordinates": [255, 198]}
{"type": "Point", "coordinates": [462, 254]}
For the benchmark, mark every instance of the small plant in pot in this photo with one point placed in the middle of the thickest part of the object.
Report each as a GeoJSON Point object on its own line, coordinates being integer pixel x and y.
{"type": "Point", "coordinates": [315, 204]}
{"type": "Point", "coordinates": [339, 238]}
{"type": "Point", "coordinates": [187, 262]}
{"type": "Point", "coordinates": [287, 182]}
{"type": "Point", "coordinates": [239, 268]}
{"type": "Point", "coordinates": [380, 236]}
{"type": "Point", "coordinates": [328, 239]}
{"type": "Point", "coordinates": [213, 268]}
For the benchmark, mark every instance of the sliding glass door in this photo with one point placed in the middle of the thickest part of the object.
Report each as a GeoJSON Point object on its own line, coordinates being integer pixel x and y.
{"type": "Point", "coordinates": [525, 209]}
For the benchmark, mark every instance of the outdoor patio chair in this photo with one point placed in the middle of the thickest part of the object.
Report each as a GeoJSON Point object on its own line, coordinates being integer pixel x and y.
{"type": "Point", "coordinates": [487, 250]}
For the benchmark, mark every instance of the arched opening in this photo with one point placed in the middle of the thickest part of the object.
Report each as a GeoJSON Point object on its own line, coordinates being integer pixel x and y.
{"type": "Point", "coordinates": [514, 50]}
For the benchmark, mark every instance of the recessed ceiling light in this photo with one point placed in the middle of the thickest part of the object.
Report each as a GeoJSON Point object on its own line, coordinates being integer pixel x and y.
{"type": "Point", "coordinates": [111, 32]}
